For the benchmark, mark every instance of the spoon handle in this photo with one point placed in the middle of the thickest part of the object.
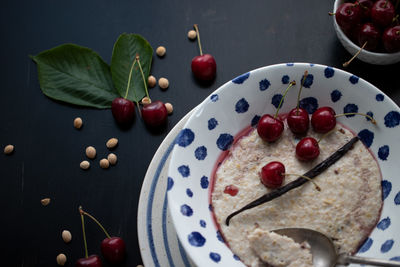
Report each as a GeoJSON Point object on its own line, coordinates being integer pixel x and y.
{"type": "Point", "coordinates": [346, 259]}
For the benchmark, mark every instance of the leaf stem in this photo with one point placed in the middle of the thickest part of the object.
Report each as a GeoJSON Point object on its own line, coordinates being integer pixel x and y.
{"type": "Point", "coordinates": [95, 220]}
{"type": "Point", "coordinates": [196, 27]}
{"type": "Point", "coordinates": [301, 87]}
{"type": "Point", "coordinates": [141, 72]}
{"type": "Point", "coordinates": [129, 79]}
{"type": "Point", "coordinates": [283, 97]}
{"type": "Point", "coordinates": [83, 231]}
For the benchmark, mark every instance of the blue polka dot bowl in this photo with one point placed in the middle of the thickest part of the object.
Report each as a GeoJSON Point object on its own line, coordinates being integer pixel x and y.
{"type": "Point", "coordinates": [239, 103]}
{"type": "Point", "coordinates": [366, 56]}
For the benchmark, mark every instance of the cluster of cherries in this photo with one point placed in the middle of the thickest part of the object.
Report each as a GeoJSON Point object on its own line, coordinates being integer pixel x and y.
{"type": "Point", "coordinates": [270, 128]}
{"type": "Point", "coordinates": [113, 249]}
{"type": "Point", "coordinates": [372, 25]}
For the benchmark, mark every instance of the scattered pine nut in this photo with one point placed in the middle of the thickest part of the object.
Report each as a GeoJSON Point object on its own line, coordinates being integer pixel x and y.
{"type": "Point", "coordinates": [163, 83]}
{"type": "Point", "coordinates": [104, 163]}
{"type": "Point", "coordinates": [78, 123]}
{"type": "Point", "coordinates": [151, 81]}
{"type": "Point", "coordinates": [112, 143]}
{"type": "Point", "coordinates": [160, 51]}
{"type": "Point", "coordinates": [192, 34]}
{"type": "Point", "coordinates": [90, 152]}
{"type": "Point", "coordinates": [45, 201]}
{"type": "Point", "coordinates": [8, 149]}
{"type": "Point", "coordinates": [84, 165]}
{"type": "Point", "coordinates": [146, 100]}
{"type": "Point", "coordinates": [112, 158]}
{"type": "Point", "coordinates": [61, 259]}
{"type": "Point", "coordinates": [66, 236]}
{"type": "Point", "coordinates": [169, 108]}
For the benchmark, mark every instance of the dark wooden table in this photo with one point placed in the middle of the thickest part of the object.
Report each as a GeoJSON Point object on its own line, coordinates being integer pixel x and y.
{"type": "Point", "coordinates": [242, 36]}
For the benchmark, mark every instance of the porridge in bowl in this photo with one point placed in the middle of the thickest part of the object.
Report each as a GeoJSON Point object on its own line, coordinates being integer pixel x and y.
{"type": "Point", "coordinates": [346, 209]}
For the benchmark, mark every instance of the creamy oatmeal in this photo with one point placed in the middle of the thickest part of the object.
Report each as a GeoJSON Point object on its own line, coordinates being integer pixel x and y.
{"type": "Point", "coordinates": [346, 209]}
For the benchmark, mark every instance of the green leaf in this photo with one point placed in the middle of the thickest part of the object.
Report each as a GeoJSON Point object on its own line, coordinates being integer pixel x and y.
{"type": "Point", "coordinates": [125, 50]}
{"type": "Point", "coordinates": [76, 75]}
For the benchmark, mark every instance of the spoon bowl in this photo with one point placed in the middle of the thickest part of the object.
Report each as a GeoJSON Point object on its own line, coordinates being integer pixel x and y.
{"type": "Point", "coordinates": [323, 250]}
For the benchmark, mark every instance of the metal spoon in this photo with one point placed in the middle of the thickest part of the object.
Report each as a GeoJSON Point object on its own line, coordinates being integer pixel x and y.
{"type": "Point", "coordinates": [324, 252]}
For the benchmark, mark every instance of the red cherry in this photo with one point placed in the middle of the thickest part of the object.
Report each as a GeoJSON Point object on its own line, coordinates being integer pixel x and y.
{"type": "Point", "coordinates": [371, 34]}
{"type": "Point", "coordinates": [123, 110]}
{"type": "Point", "coordinates": [155, 114]}
{"type": "Point", "coordinates": [323, 120]}
{"type": "Point", "coordinates": [273, 174]}
{"type": "Point", "coordinates": [391, 39]}
{"type": "Point", "coordinates": [91, 261]}
{"type": "Point", "coordinates": [298, 121]}
{"type": "Point", "coordinates": [382, 13]}
{"type": "Point", "coordinates": [204, 67]}
{"type": "Point", "coordinates": [347, 16]}
{"type": "Point", "coordinates": [269, 128]}
{"type": "Point", "coordinates": [113, 249]}
{"type": "Point", "coordinates": [365, 7]}
{"type": "Point", "coordinates": [231, 190]}
{"type": "Point", "coordinates": [307, 149]}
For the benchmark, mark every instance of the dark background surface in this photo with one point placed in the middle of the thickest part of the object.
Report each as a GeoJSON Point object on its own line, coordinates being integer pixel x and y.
{"type": "Point", "coordinates": [241, 36]}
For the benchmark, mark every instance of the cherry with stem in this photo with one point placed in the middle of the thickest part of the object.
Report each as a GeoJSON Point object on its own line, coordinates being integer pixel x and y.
{"type": "Point", "coordinates": [270, 128]}
{"type": "Point", "coordinates": [297, 119]}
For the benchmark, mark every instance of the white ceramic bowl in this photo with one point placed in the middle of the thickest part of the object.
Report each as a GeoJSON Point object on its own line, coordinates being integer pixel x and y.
{"type": "Point", "coordinates": [233, 107]}
{"type": "Point", "coordinates": [366, 56]}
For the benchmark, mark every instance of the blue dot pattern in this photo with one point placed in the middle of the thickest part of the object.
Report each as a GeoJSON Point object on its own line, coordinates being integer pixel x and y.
{"type": "Point", "coordinates": [214, 98]}
{"type": "Point", "coordinates": [189, 192]}
{"type": "Point", "coordinates": [386, 188]}
{"type": "Point", "coordinates": [384, 224]}
{"type": "Point", "coordinates": [204, 182]}
{"type": "Point", "coordinates": [200, 153]}
{"type": "Point", "coordinates": [215, 257]}
{"type": "Point", "coordinates": [196, 239]}
{"type": "Point", "coordinates": [170, 183]}
{"type": "Point", "coordinates": [285, 79]}
{"type": "Point", "coordinates": [203, 223]}
{"type": "Point", "coordinates": [184, 170]}
{"type": "Point", "coordinates": [379, 97]}
{"type": "Point", "coordinates": [210, 208]}
{"type": "Point", "coordinates": [397, 199]}
{"type": "Point", "coordinates": [255, 120]}
{"type": "Point", "coordinates": [224, 141]}
{"type": "Point", "coordinates": [240, 79]}
{"type": "Point", "coordinates": [353, 79]}
{"type": "Point", "coordinates": [219, 237]}
{"type": "Point", "coordinates": [367, 137]}
{"type": "Point", "coordinates": [392, 119]}
{"type": "Point", "coordinates": [185, 137]}
{"type": "Point", "coordinates": [276, 99]}
{"type": "Point", "coordinates": [290, 64]}
{"type": "Point", "coordinates": [310, 104]}
{"type": "Point", "coordinates": [308, 81]}
{"type": "Point", "coordinates": [369, 113]}
{"type": "Point", "coordinates": [397, 258]}
{"type": "Point", "coordinates": [366, 246]}
{"type": "Point", "coordinates": [329, 72]}
{"type": "Point", "coordinates": [264, 84]}
{"type": "Point", "coordinates": [236, 257]}
{"type": "Point", "coordinates": [186, 210]}
{"type": "Point", "coordinates": [350, 108]}
{"type": "Point", "coordinates": [242, 106]}
{"type": "Point", "coordinates": [383, 152]}
{"type": "Point", "coordinates": [336, 95]}
{"type": "Point", "coordinates": [212, 123]}
{"type": "Point", "coordinates": [387, 245]}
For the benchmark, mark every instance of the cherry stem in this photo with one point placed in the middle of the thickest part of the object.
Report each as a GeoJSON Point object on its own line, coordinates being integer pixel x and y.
{"type": "Point", "coordinates": [384, 6]}
{"type": "Point", "coordinates": [325, 135]}
{"type": "Point", "coordinates": [129, 79]}
{"type": "Point", "coordinates": [331, 13]}
{"type": "Point", "coordinates": [283, 97]}
{"type": "Point", "coordinates": [141, 72]}
{"type": "Point", "coordinates": [196, 27]}
{"type": "Point", "coordinates": [358, 52]}
{"type": "Point", "coordinates": [95, 220]}
{"type": "Point", "coordinates": [305, 177]}
{"type": "Point", "coordinates": [373, 121]}
{"type": "Point", "coordinates": [83, 231]}
{"type": "Point", "coordinates": [301, 87]}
